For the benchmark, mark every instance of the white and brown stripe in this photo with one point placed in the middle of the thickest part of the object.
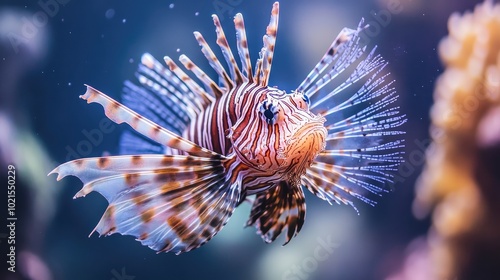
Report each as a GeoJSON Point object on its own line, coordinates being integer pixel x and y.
{"type": "Point", "coordinates": [244, 138]}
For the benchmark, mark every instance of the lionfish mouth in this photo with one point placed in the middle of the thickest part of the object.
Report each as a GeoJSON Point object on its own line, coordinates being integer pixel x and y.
{"type": "Point", "coordinates": [306, 143]}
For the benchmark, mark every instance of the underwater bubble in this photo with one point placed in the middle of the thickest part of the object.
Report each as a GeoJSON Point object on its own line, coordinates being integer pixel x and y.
{"type": "Point", "coordinates": [131, 60]}
{"type": "Point", "coordinates": [110, 13]}
{"type": "Point", "coordinates": [197, 13]}
{"type": "Point", "coordinates": [124, 20]}
{"type": "Point", "coordinates": [178, 50]}
{"type": "Point", "coordinates": [69, 84]}
{"type": "Point", "coordinates": [171, 6]}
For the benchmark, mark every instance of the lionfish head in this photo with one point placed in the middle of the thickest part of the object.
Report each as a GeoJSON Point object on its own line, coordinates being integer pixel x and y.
{"type": "Point", "coordinates": [278, 133]}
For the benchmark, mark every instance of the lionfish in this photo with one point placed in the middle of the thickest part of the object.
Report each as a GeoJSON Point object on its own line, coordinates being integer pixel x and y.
{"type": "Point", "coordinates": [201, 149]}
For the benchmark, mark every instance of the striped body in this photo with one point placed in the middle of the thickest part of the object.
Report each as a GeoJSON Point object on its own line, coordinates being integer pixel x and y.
{"type": "Point", "coordinates": [211, 129]}
{"type": "Point", "coordinates": [198, 148]}
{"type": "Point", "coordinates": [234, 126]}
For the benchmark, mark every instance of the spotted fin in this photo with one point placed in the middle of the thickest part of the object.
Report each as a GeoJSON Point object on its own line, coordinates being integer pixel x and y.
{"type": "Point", "coordinates": [156, 107]}
{"type": "Point", "coordinates": [120, 114]}
{"type": "Point", "coordinates": [170, 92]}
{"type": "Point", "coordinates": [168, 97]}
{"type": "Point", "coordinates": [234, 70]}
{"type": "Point", "coordinates": [242, 43]}
{"type": "Point", "coordinates": [169, 203]}
{"type": "Point", "coordinates": [281, 208]}
{"type": "Point", "coordinates": [265, 61]}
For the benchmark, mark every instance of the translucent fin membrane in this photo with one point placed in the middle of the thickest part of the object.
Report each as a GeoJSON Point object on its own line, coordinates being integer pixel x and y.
{"type": "Point", "coordinates": [372, 63]}
{"type": "Point", "coordinates": [343, 51]}
{"type": "Point", "coordinates": [159, 108]}
{"type": "Point", "coordinates": [364, 146]}
{"type": "Point", "coordinates": [169, 203]}
{"type": "Point", "coordinates": [155, 77]}
{"type": "Point", "coordinates": [132, 143]}
{"type": "Point", "coordinates": [120, 114]}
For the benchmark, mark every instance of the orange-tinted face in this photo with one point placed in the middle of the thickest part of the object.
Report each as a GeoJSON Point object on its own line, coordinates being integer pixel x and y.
{"type": "Point", "coordinates": [278, 132]}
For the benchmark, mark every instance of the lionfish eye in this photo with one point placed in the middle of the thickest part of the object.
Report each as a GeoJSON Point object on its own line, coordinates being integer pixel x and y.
{"type": "Point", "coordinates": [269, 112]}
{"type": "Point", "coordinates": [306, 99]}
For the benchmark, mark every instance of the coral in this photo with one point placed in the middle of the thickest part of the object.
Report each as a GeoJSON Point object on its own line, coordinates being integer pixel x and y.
{"type": "Point", "coordinates": [461, 181]}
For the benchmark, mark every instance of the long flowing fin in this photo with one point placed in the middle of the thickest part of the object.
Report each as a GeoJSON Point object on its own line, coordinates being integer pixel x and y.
{"type": "Point", "coordinates": [372, 64]}
{"type": "Point", "coordinates": [266, 54]}
{"type": "Point", "coordinates": [169, 203]}
{"type": "Point", "coordinates": [326, 188]}
{"type": "Point", "coordinates": [210, 85]}
{"type": "Point", "coordinates": [343, 51]}
{"type": "Point", "coordinates": [119, 114]}
{"type": "Point", "coordinates": [242, 43]}
{"type": "Point", "coordinates": [281, 208]}
{"type": "Point", "coordinates": [193, 87]}
{"type": "Point", "coordinates": [214, 62]}
{"type": "Point", "coordinates": [340, 182]}
{"type": "Point", "coordinates": [156, 78]}
{"type": "Point", "coordinates": [160, 109]}
{"type": "Point", "coordinates": [236, 75]}
{"type": "Point", "coordinates": [156, 107]}
{"type": "Point", "coordinates": [364, 145]}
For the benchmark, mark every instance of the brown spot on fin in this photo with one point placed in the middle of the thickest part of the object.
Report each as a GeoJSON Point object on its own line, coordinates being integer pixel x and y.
{"type": "Point", "coordinates": [169, 203]}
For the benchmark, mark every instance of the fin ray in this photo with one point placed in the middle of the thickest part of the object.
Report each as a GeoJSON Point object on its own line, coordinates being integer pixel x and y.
{"type": "Point", "coordinates": [214, 62]}
{"type": "Point", "coordinates": [226, 52]}
{"type": "Point", "coordinates": [119, 114]}
{"type": "Point", "coordinates": [280, 208]}
{"type": "Point", "coordinates": [242, 43]}
{"type": "Point", "coordinates": [340, 52]}
{"type": "Point", "coordinates": [157, 78]}
{"type": "Point", "coordinates": [169, 203]}
{"type": "Point", "coordinates": [267, 52]}
{"type": "Point", "coordinates": [158, 108]}
{"type": "Point", "coordinates": [195, 92]}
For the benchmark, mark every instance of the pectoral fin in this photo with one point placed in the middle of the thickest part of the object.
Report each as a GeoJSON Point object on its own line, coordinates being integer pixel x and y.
{"type": "Point", "coordinates": [169, 203]}
{"type": "Point", "coordinates": [280, 208]}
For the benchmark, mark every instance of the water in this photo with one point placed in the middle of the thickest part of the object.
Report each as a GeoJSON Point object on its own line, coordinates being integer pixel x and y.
{"type": "Point", "coordinates": [56, 126]}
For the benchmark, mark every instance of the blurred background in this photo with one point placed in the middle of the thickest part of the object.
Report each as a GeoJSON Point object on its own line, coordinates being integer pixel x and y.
{"type": "Point", "coordinates": [49, 49]}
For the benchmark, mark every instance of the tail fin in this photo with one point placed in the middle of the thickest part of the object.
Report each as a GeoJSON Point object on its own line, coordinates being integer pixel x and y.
{"type": "Point", "coordinates": [280, 208]}
{"type": "Point", "coordinates": [169, 203]}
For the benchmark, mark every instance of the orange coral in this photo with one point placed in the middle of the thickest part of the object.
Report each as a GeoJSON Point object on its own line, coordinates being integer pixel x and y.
{"type": "Point", "coordinates": [461, 173]}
